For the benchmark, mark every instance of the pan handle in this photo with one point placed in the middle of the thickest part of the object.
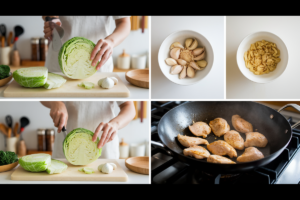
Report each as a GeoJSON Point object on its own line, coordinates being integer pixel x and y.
{"type": "Point", "coordinates": [157, 144]}
{"type": "Point", "coordinates": [297, 107]}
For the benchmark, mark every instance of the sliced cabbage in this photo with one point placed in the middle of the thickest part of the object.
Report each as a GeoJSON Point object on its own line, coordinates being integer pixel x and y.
{"type": "Point", "coordinates": [35, 162]}
{"type": "Point", "coordinates": [86, 85]}
{"type": "Point", "coordinates": [31, 77]}
{"type": "Point", "coordinates": [54, 81]}
{"type": "Point", "coordinates": [87, 170]}
{"type": "Point", "coordinates": [56, 167]}
{"type": "Point", "coordinates": [79, 149]}
{"type": "Point", "coordinates": [74, 58]}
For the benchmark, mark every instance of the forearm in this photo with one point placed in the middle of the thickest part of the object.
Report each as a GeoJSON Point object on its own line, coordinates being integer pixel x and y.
{"type": "Point", "coordinates": [49, 104]}
{"type": "Point", "coordinates": [121, 31]}
{"type": "Point", "coordinates": [125, 116]}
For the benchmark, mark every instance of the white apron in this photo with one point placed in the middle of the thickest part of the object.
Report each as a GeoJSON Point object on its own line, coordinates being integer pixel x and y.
{"type": "Point", "coordinates": [88, 115]}
{"type": "Point", "coordinates": [93, 28]}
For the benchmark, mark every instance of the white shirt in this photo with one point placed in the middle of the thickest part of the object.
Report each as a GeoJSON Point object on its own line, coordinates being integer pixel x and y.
{"type": "Point", "coordinates": [88, 115]}
{"type": "Point", "coordinates": [93, 28]}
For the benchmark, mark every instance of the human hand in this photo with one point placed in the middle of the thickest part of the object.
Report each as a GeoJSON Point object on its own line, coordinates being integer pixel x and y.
{"type": "Point", "coordinates": [103, 51]}
{"type": "Point", "coordinates": [48, 29]}
{"type": "Point", "coordinates": [109, 132]}
{"type": "Point", "coordinates": [59, 115]}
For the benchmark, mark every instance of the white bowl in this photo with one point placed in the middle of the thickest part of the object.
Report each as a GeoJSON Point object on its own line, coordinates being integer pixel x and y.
{"type": "Point", "coordinates": [181, 36]}
{"type": "Point", "coordinates": [245, 46]}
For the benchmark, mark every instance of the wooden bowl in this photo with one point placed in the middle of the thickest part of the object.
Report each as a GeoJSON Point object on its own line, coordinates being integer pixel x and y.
{"type": "Point", "coordinates": [4, 168]}
{"type": "Point", "coordinates": [138, 164]}
{"type": "Point", "coordinates": [138, 77]}
{"type": "Point", "coordinates": [5, 80]}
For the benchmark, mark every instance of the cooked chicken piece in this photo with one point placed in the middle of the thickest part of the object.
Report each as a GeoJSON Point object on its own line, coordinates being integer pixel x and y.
{"type": "Point", "coordinates": [219, 159]}
{"type": "Point", "coordinates": [190, 141]}
{"type": "Point", "coordinates": [197, 152]}
{"type": "Point", "coordinates": [234, 139]}
{"type": "Point", "coordinates": [241, 125]}
{"type": "Point", "coordinates": [219, 126]}
{"type": "Point", "coordinates": [255, 139]}
{"type": "Point", "coordinates": [200, 129]}
{"type": "Point", "coordinates": [250, 154]}
{"type": "Point", "coordinates": [222, 148]}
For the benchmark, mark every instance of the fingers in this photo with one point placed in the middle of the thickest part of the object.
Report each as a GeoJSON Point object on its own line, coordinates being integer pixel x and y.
{"type": "Point", "coordinates": [62, 122]}
{"type": "Point", "coordinates": [111, 134]}
{"type": "Point", "coordinates": [104, 47]}
{"type": "Point", "coordinates": [95, 50]}
{"type": "Point", "coordinates": [106, 130]}
{"type": "Point", "coordinates": [98, 129]}
{"type": "Point", "coordinates": [104, 59]}
{"type": "Point", "coordinates": [59, 119]}
{"type": "Point", "coordinates": [47, 31]}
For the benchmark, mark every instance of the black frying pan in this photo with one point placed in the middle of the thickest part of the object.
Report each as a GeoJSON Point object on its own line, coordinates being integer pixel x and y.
{"type": "Point", "coordinates": [265, 120]}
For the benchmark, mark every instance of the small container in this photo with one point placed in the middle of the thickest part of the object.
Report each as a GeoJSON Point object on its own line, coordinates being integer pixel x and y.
{"type": "Point", "coordinates": [22, 148]}
{"type": "Point", "coordinates": [41, 139]}
{"type": "Point", "coordinates": [124, 60]}
{"type": "Point", "coordinates": [35, 49]}
{"type": "Point", "coordinates": [137, 150]}
{"type": "Point", "coordinates": [50, 134]}
{"type": "Point", "coordinates": [11, 144]}
{"type": "Point", "coordinates": [124, 149]}
{"type": "Point", "coordinates": [43, 48]}
{"type": "Point", "coordinates": [139, 61]}
{"type": "Point", "coordinates": [5, 55]}
{"type": "Point", "coordinates": [15, 58]}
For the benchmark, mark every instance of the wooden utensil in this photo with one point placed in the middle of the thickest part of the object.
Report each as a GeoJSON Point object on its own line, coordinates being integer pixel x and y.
{"type": "Point", "coordinates": [3, 129]}
{"type": "Point", "coordinates": [16, 128]}
{"type": "Point", "coordinates": [2, 41]}
{"type": "Point", "coordinates": [3, 30]}
{"type": "Point", "coordinates": [9, 39]}
{"type": "Point", "coordinates": [138, 164]}
{"type": "Point", "coordinates": [9, 132]}
{"type": "Point", "coordinates": [138, 77]}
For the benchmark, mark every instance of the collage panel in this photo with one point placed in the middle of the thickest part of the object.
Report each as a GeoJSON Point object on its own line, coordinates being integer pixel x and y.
{"type": "Point", "coordinates": [225, 142]}
{"type": "Point", "coordinates": [54, 142]}
{"type": "Point", "coordinates": [262, 57]}
{"type": "Point", "coordinates": [187, 57]}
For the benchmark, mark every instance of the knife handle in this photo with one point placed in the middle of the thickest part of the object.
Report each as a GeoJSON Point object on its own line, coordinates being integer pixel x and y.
{"type": "Point", "coordinates": [50, 18]}
{"type": "Point", "coordinates": [63, 128]}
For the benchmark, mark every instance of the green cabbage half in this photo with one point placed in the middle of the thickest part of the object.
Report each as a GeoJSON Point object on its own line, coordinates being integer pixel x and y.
{"type": "Point", "coordinates": [79, 149]}
{"type": "Point", "coordinates": [74, 58]}
{"type": "Point", "coordinates": [31, 76]}
{"type": "Point", "coordinates": [54, 81]}
{"type": "Point", "coordinates": [35, 162]}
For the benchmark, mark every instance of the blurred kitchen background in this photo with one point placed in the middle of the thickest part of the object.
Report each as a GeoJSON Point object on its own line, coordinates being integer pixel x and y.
{"type": "Point", "coordinates": [40, 132]}
{"type": "Point", "coordinates": [135, 45]}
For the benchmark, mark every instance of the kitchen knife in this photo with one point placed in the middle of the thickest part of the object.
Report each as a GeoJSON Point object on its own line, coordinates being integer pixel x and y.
{"type": "Point", "coordinates": [57, 34]}
{"type": "Point", "coordinates": [64, 130]}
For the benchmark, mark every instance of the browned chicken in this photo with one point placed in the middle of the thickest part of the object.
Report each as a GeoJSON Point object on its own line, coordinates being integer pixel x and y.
{"type": "Point", "coordinates": [250, 154]}
{"type": "Point", "coordinates": [197, 152]}
{"type": "Point", "coordinates": [200, 129]}
{"type": "Point", "coordinates": [255, 139]}
{"type": "Point", "coordinates": [219, 126]}
{"type": "Point", "coordinates": [234, 139]}
{"type": "Point", "coordinates": [191, 141]}
{"type": "Point", "coordinates": [219, 159]}
{"type": "Point", "coordinates": [241, 125]}
{"type": "Point", "coordinates": [222, 148]}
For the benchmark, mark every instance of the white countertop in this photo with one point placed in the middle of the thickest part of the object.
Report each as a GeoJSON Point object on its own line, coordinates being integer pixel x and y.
{"type": "Point", "coordinates": [135, 92]}
{"type": "Point", "coordinates": [284, 87]}
{"type": "Point", "coordinates": [133, 178]}
{"type": "Point", "coordinates": [212, 28]}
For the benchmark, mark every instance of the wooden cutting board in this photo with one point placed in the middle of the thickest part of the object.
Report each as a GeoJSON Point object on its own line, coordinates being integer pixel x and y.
{"type": "Point", "coordinates": [72, 173]}
{"type": "Point", "coordinates": [71, 89]}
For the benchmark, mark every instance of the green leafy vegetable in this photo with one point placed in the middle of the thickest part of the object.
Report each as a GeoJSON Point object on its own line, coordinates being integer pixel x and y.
{"type": "Point", "coordinates": [79, 149]}
{"type": "Point", "coordinates": [54, 81]}
{"type": "Point", "coordinates": [4, 71]}
{"type": "Point", "coordinates": [86, 85]}
{"type": "Point", "coordinates": [74, 58]}
{"type": "Point", "coordinates": [56, 167]}
{"type": "Point", "coordinates": [31, 76]}
{"type": "Point", "coordinates": [7, 157]}
{"type": "Point", "coordinates": [35, 162]}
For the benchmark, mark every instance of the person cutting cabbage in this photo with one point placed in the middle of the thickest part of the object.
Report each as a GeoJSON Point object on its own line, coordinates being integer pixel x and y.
{"type": "Point", "coordinates": [96, 116]}
{"type": "Point", "coordinates": [94, 28]}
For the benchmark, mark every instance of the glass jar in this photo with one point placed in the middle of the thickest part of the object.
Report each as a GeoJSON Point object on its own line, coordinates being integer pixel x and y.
{"type": "Point", "coordinates": [35, 52]}
{"type": "Point", "coordinates": [41, 139]}
{"type": "Point", "coordinates": [49, 139]}
{"type": "Point", "coordinates": [43, 48]}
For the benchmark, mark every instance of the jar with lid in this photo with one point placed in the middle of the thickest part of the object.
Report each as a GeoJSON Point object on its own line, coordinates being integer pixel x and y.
{"type": "Point", "coordinates": [35, 52]}
{"type": "Point", "coordinates": [49, 139]}
{"type": "Point", "coordinates": [41, 140]}
{"type": "Point", "coordinates": [43, 48]}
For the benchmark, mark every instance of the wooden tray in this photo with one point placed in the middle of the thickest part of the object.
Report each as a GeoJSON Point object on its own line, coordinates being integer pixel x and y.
{"type": "Point", "coordinates": [138, 164]}
{"type": "Point", "coordinates": [5, 80]}
{"type": "Point", "coordinates": [4, 168]}
{"type": "Point", "coordinates": [138, 77]}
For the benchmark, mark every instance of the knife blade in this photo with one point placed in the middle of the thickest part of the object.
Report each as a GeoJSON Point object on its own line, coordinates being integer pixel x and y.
{"type": "Point", "coordinates": [57, 34]}
{"type": "Point", "coordinates": [64, 130]}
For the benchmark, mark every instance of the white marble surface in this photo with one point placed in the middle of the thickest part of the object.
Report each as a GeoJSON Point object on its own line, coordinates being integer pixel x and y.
{"type": "Point", "coordinates": [133, 178]}
{"type": "Point", "coordinates": [212, 86]}
{"type": "Point", "coordinates": [238, 86]}
{"type": "Point", "coordinates": [135, 92]}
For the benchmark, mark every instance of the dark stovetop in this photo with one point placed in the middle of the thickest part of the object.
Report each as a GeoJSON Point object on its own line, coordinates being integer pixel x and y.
{"type": "Point", "coordinates": [167, 170]}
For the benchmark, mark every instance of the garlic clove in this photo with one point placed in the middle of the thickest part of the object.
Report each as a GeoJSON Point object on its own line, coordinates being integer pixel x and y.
{"type": "Point", "coordinates": [193, 45]}
{"type": "Point", "coordinates": [190, 72]}
{"type": "Point", "coordinates": [202, 63]}
{"type": "Point", "coordinates": [100, 167]}
{"type": "Point", "coordinates": [115, 80]}
{"type": "Point", "coordinates": [171, 61]}
{"type": "Point", "coordinates": [114, 165]}
{"type": "Point", "coordinates": [194, 65]}
{"type": "Point", "coordinates": [188, 42]}
{"type": "Point", "coordinates": [176, 69]}
{"type": "Point", "coordinates": [100, 81]}
{"type": "Point", "coordinates": [174, 53]}
{"type": "Point", "coordinates": [176, 44]}
{"type": "Point", "coordinates": [107, 168]}
{"type": "Point", "coordinates": [107, 83]}
{"type": "Point", "coordinates": [200, 57]}
{"type": "Point", "coordinates": [182, 73]}
{"type": "Point", "coordinates": [181, 62]}
{"type": "Point", "coordinates": [198, 51]}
